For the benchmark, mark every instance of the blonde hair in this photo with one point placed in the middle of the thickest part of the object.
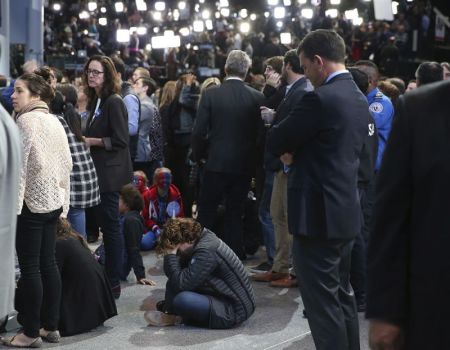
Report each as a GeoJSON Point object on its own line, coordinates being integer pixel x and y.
{"type": "Point", "coordinates": [143, 73]}
{"type": "Point", "coordinates": [141, 173]}
{"type": "Point", "coordinates": [160, 170]}
{"type": "Point", "coordinates": [212, 81]}
{"type": "Point", "coordinates": [168, 93]}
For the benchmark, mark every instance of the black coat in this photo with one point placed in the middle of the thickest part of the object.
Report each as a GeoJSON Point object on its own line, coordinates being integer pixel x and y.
{"type": "Point", "coordinates": [86, 298]}
{"type": "Point", "coordinates": [325, 131]}
{"type": "Point", "coordinates": [214, 270]}
{"type": "Point", "coordinates": [272, 162]}
{"type": "Point", "coordinates": [227, 128]}
{"type": "Point", "coordinates": [409, 268]}
{"type": "Point", "coordinates": [112, 162]}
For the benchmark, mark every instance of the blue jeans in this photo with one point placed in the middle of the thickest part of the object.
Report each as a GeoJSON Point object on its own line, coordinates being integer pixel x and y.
{"type": "Point", "coordinates": [112, 239]}
{"type": "Point", "coordinates": [77, 218]}
{"type": "Point", "coordinates": [267, 229]}
{"type": "Point", "coordinates": [193, 307]}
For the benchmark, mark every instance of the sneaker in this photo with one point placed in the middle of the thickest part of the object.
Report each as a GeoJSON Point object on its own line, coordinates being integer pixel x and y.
{"type": "Point", "coordinates": [50, 336]}
{"type": "Point", "coordinates": [161, 319]}
{"type": "Point", "coordinates": [263, 267]}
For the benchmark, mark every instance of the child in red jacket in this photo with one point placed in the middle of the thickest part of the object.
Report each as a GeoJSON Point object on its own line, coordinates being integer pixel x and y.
{"type": "Point", "coordinates": [162, 201]}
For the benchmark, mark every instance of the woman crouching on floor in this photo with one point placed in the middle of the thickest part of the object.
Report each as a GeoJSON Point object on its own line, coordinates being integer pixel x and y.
{"type": "Point", "coordinates": [207, 284]}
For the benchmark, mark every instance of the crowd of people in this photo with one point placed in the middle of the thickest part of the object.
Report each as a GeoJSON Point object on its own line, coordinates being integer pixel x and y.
{"type": "Point", "coordinates": [325, 150]}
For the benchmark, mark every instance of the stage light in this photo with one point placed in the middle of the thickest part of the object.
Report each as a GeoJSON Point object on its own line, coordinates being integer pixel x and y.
{"type": "Point", "coordinates": [225, 12]}
{"type": "Point", "coordinates": [287, 2]}
{"type": "Point", "coordinates": [119, 6]}
{"type": "Point", "coordinates": [358, 21]}
{"type": "Point", "coordinates": [201, 1]}
{"type": "Point", "coordinates": [102, 21]}
{"type": "Point", "coordinates": [169, 33]}
{"type": "Point", "coordinates": [160, 6]}
{"type": "Point", "coordinates": [244, 27]}
{"type": "Point", "coordinates": [164, 42]}
{"type": "Point", "coordinates": [85, 32]}
{"type": "Point", "coordinates": [253, 17]}
{"type": "Point", "coordinates": [335, 2]}
{"type": "Point", "coordinates": [103, 9]}
{"type": "Point", "coordinates": [315, 2]}
{"type": "Point", "coordinates": [84, 15]}
{"type": "Point", "coordinates": [206, 14]}
{"type": "Point", "coordinates": [302, 2]}
{"type": "Point", "coordinates": [217, 15]}
{"type": "Point", "coordinates": [279, 12]}
{"type": "Point", "coordinates": [56, 7]}
{"type": "Point", "coordinates": [182, 5]}
{"type": "Point", "coordinates": [157, 16]}
{"type": "Point", "coordinates": [243, 13]}
{"type": "Point", "coordinates": [141, 5]}
{"type": "Point", "coordinates": [92, 6]}
{"type": "Point", "coordinates": [198, 26]}
{"type": "Point", "coordinates": [267, 14]}
{"type": "Point", "coordinates": [155, 30]}
{"type": "Point", "coordinates": [142, 30]}
{"type": "Point", "coordinates": [352, 14]}
{"type": "Point", "coordinates": [394, 7]}
{"type": "Point", "coordinates": [209, 24]}
{"type": "Point", "coordinates": [123, 35]}
{"type": "Point", "coordinates": [185, 31]}
{"type": "Point", "coordinates": [332, 13]}
{"type": "Point", "coordinates": [272, 2]}
{"type": "Point", "coordinates": [224, 3]}
{"type": "Point", "coordinates": [279, 24]}
{"type": "Point", "coordinates": [307, 13]}
{"type": "Point", "coordinates": [148, 47]}
{"type": "Point", "coordinates": [286, 38]}
{"type": "Point", "coordinates": [197, 7]}
{"type": "Point", "coordinates": [132, 30]}
{"type": "Point", "coordinates": [176, 14]}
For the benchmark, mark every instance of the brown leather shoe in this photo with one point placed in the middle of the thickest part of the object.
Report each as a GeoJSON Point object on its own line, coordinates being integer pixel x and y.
{"type": "Point", "coordinates": [269, 276]}
{"type": "Point", "coordinates": [287, 282]}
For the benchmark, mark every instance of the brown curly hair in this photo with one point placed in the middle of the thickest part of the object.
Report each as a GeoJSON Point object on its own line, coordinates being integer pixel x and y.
{"type": "Point", "coordinates": [65, 231]}
{"type": "Point", "coordinates": [177, 231]}
{"type": "Point", "coordinates": [111, 84]}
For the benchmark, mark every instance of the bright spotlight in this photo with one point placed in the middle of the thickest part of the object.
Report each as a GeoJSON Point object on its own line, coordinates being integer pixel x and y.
{"type": "Point", "coordinates": [217, 15]}
{"type": "Point", "coordinates": [176, 14]}
{"type": "Point", "coordinates": [84, 15]}
{"type": "Point", "coordinates": [224, 3]}
{"type": "Point", "coordinates": [119, 6]}
{"type": "Point", "coordinates": [198, 26]}
{"type": "Point", "coordinates": [123, 35]}
{"type": "Point", "coordinates": [56, 7]}
{"type": "Point", "coordinates": [163, 42]}
{"type": "Point", "coordinates": [335, 2]}
{"type": "Point", "coordinates": [352, 14]}
{"type": "Point", "coordinates": [142, 30]}
{"type": "Point", "coordinates": [148, 47]}
{"type": "Point", "coordinates": [395, 7]}
{"type": "Point", "coordinates": [141, 5]}
{"type": "Point", "coordinates": [209, 24]}
{"type": "Point", "coordinates": [286, 38]}
{"type": "Point", "coordinates": [332, 13]}
{"type": "Point", "coordinates": [266, 14]}
{"type": "Point", "coordinates": [157, 16]}
{"type": "Point", "coordinates": [155, 30]}
{"type": "Point", "coordinates": [182, 5]}
{"type": "Point", "coordinates": [225, 12]}
{"type": "Point", "coordinates": [185, 31]}
{"type": "Point", "coordinates": [357, 21]}
{"type": "Point", "coordinates": [243, 13]}
{"type": "Point", "coordinates": [302, 2]}
{"type": "Point", "coordinates": [103, 9]}
{"type": "Point", "coordinates": [160, 6]}
{"type": "Point", "coordinates": [92, 6]}
{"type": "Point", "coordinates": [169, 33]}
{"type": "Point", "coordinates": [206, 14]}
{"type": "Point", "coordinates": [102, 21]}
{"type": "Point", "coordinates": [272, 2]}
{"type": "Point", "coordinates": [244, 27]}
{"type": "Point", "coordinates": [307, 13]}
{"type": "Point", "coordinates": [253, 17]}
{"type": "Point", "coordinates": [287, 2]}
{"type": "Point", "coordinates": [279, 24]}
{"type": "Point", "coordinates": [279, 12]}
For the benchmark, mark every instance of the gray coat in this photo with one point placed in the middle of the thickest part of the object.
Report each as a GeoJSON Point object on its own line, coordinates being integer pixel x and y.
{"type": "Point", "coordinates": [10, 161]}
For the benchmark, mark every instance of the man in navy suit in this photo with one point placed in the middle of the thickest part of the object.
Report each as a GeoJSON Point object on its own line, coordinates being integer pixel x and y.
{"type": "Point", "coordinates": [325, 133]}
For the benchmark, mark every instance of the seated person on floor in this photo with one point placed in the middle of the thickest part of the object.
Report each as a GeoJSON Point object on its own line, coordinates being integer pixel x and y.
{"type": "Point", "coordinates": [132, 227]}
{"type": "Point", "coordinates": [161, 202]}
{"type": "Point", "coordinates": [86, 300]}
{"type": "Point", "coordinates": [140, 181]}
{"type": "Point", "coordinates": [207, 284]}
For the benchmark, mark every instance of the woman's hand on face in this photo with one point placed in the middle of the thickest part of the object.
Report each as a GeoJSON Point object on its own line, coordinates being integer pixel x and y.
{"type": "Point", "coordinates": [146, 282]}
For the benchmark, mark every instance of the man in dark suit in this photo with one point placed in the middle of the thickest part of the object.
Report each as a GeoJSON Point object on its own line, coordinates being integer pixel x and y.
{"type": "Point", "coordinates": [225, 134]}
{"type": "Point", "coordinates": [409, 270]}
{"type": "Point", "coordinates": [324, 133]}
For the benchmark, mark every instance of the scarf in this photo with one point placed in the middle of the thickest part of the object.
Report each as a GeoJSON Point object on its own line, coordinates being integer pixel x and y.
{"type": "Point", "coordinates": [33, 106]}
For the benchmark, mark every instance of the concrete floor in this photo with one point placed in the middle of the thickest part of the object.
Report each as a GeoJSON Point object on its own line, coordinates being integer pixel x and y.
{"type": "Point", "coordinates": [276, 324]}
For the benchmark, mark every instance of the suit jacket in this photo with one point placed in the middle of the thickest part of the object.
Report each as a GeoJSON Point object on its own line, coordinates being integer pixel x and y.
{"type": "Point", "coordinates": [295, 94]}
{"type": "Point", "coordinates": [227, 127]}
{"type": "Point", "coordinates": [409, 269]}
{"type": "Point", "coordinates": [10, 162]}
{"type": "Point", "coordinates": [112, 162]}
{"type": "Point", "coordinates": [325, 132]}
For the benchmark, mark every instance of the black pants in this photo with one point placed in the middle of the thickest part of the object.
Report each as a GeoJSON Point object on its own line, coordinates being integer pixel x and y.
{"type": "Point", "coordinates": [323, 272]}
{"type": "Point", "coordinates": [234, 189]}
{"type": "Point", "coordinates": [38, 295]}
{"type": "Point", "coordinates": [114, 243]}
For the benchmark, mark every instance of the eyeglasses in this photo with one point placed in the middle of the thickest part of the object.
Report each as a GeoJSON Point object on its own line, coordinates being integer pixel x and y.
{"type": "Point", "coordinates": [94, 72]}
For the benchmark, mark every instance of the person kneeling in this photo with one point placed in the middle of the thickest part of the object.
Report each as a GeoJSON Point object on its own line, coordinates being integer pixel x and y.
{"type": "Point", "coordinates": [207, 284]}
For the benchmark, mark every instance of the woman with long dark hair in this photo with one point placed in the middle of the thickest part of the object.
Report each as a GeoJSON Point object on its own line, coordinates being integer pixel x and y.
{"type": "Point", "coordinates": [107, 136]}
{"type": "Point", "coordinates": [44, 193]}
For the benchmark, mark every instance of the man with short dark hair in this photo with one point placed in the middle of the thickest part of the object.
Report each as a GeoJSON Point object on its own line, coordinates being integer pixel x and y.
{"type": "Point", "coordinates": [225, 133]}
{"type": "Point", "coordinates": [429, 72]}
{"type": "Point", "coordinates": [325, 133]}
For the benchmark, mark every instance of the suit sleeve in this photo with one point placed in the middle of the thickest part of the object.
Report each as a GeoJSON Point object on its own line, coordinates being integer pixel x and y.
{"type": "Point", "coordinates": [389, 243]}
{"type": "Point", "coordinates": [118, 122]}
{"type": "Point", "coordinates": [300, 126]}
{"type": "Point", "coordinates": [201, 127]}
{"type": "Point", "coordinates": [201, 265]}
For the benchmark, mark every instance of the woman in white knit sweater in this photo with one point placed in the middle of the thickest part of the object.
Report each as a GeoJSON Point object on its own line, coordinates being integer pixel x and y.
{"type": "Point", "coordinates": [44, 193]}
